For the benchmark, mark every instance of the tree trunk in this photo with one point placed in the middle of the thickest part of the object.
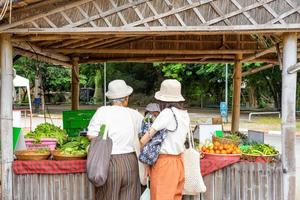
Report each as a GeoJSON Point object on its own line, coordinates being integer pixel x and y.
{"type": "Point", "coordinates": [98, 95]}
{"type": "Point", "coordinates": [252, 97]}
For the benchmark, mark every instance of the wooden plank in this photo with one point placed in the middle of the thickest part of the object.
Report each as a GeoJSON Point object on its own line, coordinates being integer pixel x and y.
{"type": "Point", "coordinates": [262, 53]}
{"type": "Point", "coordinates": [209, 181]}
{"type": "Point", "coordinates": [162, 30]}
{"type": "Point", "coordinates": [6, 119]}
{"type": "Point", "coordinates": [218, 185]}
{"type": "Point", "coordinates": [256, 70]}
{"type": "Point", "coordinates": [42, 58]}
{"type": "Point", "coordinates": [35, 49]}
{"type": "Point", "coordinates": [150, 51]}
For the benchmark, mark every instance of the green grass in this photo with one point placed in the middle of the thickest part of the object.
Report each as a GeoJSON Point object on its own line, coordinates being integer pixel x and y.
{"type": "Point", "coordinates": [267, 120]}
{"type": "Point", "coordinates": [272, 121]}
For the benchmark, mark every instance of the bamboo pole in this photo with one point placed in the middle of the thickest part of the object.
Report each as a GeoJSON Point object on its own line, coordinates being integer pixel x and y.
{"type": "Point", "coordinates": [237, 80]}
{"type": "Point", "coordinates": [256, 70]}
{"type": "Point", "coordinates": [6, 116]}
{"type": "Point", "coordinates": [75, 84]}
{"type": "Point", "coordinates": [288, 113]}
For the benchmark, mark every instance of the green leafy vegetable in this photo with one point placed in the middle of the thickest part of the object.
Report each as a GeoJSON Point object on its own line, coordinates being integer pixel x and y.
{"type": "Point", "coordinates": [47, 130]}
{"type": "Point", "coordinates": [75, 146]}
{"type": "Point", "coordinates": [260, 149]}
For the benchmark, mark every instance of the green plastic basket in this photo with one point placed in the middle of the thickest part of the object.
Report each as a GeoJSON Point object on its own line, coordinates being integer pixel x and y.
{"type": "Point", "coordinates": [16, 135]}
{"type": "Point", "coordinates": [75, 121]}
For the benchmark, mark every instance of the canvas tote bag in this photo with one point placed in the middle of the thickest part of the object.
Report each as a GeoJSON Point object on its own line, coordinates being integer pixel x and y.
{"type": "Point", "coordinates": [193, 184]}
{"type": "Point", "coordinates": [98, 159]}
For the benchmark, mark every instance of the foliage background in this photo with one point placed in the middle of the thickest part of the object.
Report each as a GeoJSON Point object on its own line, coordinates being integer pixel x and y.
{"type": "Point", "coordinates": [203, 85]}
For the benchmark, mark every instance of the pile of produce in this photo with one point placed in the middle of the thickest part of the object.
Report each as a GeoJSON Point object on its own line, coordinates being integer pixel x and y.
{"type": "Point", "coordinates": [260, 150]}
{"type": "Point", "coordinates": [218, 148]}
{"type": "Point", "coordinates": [75, 146]}
{"type": "Point", "coordinates": [47, 130]}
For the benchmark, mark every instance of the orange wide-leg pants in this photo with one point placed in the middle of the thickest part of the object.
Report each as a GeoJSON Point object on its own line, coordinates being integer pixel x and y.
{"type": "Point", "coordinates": [167, 178]}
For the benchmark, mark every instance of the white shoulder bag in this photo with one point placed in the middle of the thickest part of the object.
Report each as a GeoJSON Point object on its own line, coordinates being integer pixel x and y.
{"type": "Point", "coordinates": [193, 184]}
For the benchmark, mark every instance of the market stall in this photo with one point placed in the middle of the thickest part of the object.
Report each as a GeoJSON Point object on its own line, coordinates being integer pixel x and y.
{"type": "Point", "coordinates": [233, 167]}
{"type": "Point", "coordinates": [242, 180]}
{"type": "Point", "coordinates": [68, 33]}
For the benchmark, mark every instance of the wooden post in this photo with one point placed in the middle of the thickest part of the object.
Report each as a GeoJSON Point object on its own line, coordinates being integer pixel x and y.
{"type": "Point", "coordinates": [6, 116]}
{"type": "Point", "coordinates": [75, 84]}
{"type": "Point", "coordinates": [237, 80]}
{"type": "Point", "coordinates": [288, 113]}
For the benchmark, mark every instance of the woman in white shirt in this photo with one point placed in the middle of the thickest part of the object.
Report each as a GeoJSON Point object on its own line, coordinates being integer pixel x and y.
{"type": "Point", "coordinates": [123, 177]}
{"type": "Point", "coordinates": [167, 174]}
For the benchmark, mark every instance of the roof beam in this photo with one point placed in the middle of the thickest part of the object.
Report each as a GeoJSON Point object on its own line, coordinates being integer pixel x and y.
{"type": "Point", "coordinates": [39, 57]}
{"type": "Point", "coordinates": [259, 54]}
{"type": "Point", "coordinates": [150, 51]}
{"type": "Point", "coordinates": [44, 14]}
{"type": "Point", "coordinates": [35, 49]}
{"type": "Point", "coordinates": [160, 30]}
{"type": "Point", "coordinates": [256, 70]}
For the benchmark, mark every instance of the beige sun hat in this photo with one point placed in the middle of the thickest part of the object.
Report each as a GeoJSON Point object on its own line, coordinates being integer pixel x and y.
{"type": "Point", "coordinates": [118, 89]}
{"type": "Point", "coordinates": [170, 91]}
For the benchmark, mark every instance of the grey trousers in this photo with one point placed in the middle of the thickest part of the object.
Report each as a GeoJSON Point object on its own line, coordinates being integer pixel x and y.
{"type": "Point", "coordinates": [123, 181]}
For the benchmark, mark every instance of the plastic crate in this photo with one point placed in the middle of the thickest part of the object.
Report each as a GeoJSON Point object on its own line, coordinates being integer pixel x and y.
{"type": "Point", "coordinates": [75, 121]}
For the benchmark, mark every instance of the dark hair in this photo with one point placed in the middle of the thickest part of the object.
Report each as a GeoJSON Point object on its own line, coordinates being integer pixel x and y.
{"type": "Point", "coordinates": [163, 105]}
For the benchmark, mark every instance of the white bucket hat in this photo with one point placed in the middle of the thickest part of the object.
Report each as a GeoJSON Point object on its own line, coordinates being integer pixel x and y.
{"type": "Point", "coordinates": [118, 89]}
{"type": "Point", "coordinates": [170, 91]}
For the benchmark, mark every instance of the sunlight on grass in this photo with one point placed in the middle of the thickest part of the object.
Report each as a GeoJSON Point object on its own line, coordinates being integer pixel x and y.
{"type": "Point", "coordinates": [267, 120]}
{"type": "Point", "coordinates": [272, 121]}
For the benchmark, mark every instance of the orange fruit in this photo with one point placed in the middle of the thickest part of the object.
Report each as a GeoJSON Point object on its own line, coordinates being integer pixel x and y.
{"type": "Point", "coordinates": [221, 147]}
{"type": "Point", "coordinates": [238, 151]}
{"type": "Point", "coordinates": [211, 151]}
{"type": "Point", "coordinates": [226, 146]}
{"type": "Point", "coordinates": [223, 152]}
{"type": "Point", "coordinates": [217, 144]}
{"type": "Point", "coordinates": [216, 147]}
{"type": "Point", "coordinates": [204, 148]}
{"type": "Point", "coordinates": [234, 152]}
{"type": "Point", "coordinates": [218, 151]}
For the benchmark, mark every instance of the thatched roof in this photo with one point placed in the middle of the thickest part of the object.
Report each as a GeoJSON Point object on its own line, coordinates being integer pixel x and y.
{"type": "Point", "coordinates": [151, 30]}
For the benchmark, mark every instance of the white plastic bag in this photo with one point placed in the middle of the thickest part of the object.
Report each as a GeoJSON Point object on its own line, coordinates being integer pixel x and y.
{"type": "Point", "coordinates": [193, 184]}
{"type": "Point", "coordinates": [146, 193]}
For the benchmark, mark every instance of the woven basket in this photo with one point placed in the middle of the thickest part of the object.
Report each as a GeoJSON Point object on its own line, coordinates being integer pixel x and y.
{"type": "Point", "coordinates": [31, 155]}
{"type": "Point", "coordinates": [259, 158]}
{"type": "Point", "coordinates": [225, 140]}
{"type": "Point", "coordinates": [59, 156]}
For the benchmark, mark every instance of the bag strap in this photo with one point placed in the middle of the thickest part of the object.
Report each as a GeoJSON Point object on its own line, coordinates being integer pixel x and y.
{"type": "Point", "coordinates": [105, 134]}
{"type": "Point", "coordinates": [176, 121]}
{"type": "Point", "coordinates": [191, 138]}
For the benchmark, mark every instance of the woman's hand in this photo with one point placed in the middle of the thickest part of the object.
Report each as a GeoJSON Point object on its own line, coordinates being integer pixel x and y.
{"type": "Point", "coordinates": [147, 137]}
